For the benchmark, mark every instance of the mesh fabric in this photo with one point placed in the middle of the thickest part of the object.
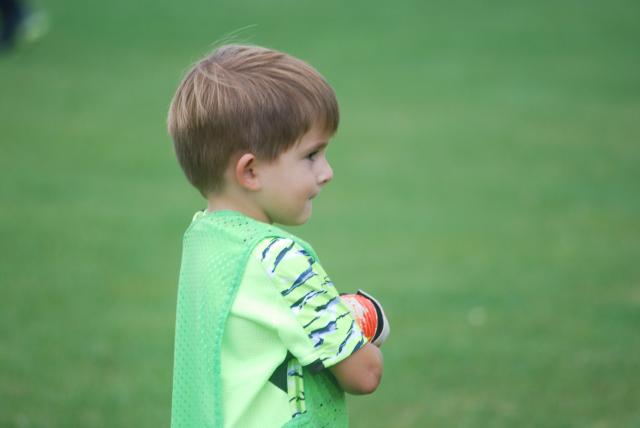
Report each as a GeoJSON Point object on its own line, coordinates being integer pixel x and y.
{"type": "Point", "coordinates": [216, 248]}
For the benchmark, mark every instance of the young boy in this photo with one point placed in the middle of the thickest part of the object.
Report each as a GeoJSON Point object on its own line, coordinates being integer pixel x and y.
{"type": "Point", "coordinates": [263, 339]}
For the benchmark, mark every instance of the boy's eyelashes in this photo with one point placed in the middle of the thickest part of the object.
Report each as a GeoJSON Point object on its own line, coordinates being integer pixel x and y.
{"type": "Point", "coordinates": [315, 151]}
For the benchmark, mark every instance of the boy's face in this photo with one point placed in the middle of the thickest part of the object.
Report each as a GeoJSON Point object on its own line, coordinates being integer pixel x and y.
{"type": "Point", "coordinates": [292, 180]}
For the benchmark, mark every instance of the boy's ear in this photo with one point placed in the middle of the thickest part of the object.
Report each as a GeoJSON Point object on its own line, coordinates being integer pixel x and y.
{"type": "Point", "coordinates": [245, 172]}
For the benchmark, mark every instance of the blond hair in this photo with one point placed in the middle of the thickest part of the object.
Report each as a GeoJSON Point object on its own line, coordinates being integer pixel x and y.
{"type": "Point", "coordinates": [244, 98]}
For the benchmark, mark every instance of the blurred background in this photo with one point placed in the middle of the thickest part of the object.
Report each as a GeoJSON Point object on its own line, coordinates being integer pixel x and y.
{"type": "Point", "coordinates": [486, 189]}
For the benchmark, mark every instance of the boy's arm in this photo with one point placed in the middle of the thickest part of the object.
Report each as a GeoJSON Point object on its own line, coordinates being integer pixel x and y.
{"type": "Point", "coordinates": [323, 328]}
{"type": "Point", "coordinates": [361, 372]}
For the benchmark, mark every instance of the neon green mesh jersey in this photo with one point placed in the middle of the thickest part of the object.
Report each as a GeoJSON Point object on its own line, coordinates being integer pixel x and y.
{"type": "Point", "coordinates": [258, 321]}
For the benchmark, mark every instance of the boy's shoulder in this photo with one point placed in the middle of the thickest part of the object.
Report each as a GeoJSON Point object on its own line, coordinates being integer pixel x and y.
{"type": "Point", "coordinates": [236, 228]}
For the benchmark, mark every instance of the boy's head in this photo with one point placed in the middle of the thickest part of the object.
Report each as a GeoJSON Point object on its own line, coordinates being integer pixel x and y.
{"type": "Point", "coordinates": [245, 99]}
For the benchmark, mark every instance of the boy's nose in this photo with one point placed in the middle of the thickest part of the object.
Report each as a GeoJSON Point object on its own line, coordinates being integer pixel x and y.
{"type": "Point", "coordinates": [326, 175]}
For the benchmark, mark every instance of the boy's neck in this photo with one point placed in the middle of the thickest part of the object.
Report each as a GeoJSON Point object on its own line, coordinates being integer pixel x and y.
{"type": "Point", "coordinates": [225, 202]}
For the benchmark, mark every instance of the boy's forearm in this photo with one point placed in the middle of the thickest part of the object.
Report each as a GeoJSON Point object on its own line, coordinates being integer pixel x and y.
{"type": "Point", "coordinates": [361, 372]}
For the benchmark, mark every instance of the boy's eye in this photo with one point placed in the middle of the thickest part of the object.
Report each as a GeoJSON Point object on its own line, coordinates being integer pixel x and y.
{"type": "Point", "coordinates": [312, 155]}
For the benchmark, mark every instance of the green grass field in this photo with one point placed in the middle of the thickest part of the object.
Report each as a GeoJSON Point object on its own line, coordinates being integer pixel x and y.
{"type": "Point", "coordinates": [486, 189]}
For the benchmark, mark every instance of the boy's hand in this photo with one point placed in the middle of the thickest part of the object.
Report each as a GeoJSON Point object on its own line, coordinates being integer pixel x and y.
{"type": "Point", "coordinates": [369, 315]}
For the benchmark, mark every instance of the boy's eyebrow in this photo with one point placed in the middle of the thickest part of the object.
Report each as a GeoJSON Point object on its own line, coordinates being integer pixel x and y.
{"type": "Point", "coordinates": [319, 145]}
